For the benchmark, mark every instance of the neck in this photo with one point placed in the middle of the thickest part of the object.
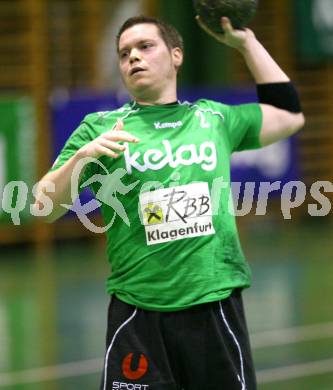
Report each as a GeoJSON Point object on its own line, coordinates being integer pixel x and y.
{"type": "Point", "coordinates": [164, 95]}
{"type": "Point", "coordinates": [155, 102]}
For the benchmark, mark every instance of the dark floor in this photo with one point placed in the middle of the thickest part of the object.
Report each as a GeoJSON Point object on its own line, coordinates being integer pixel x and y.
{"type": "Point", "coordinates": [53, 311]}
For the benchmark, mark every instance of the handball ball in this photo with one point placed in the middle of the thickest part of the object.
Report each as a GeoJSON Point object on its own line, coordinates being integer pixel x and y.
{"type": "Point", "coordinates": [239, 12]}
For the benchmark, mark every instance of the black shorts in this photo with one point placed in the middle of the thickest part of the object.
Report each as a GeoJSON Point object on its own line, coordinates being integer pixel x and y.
{"type": "Point", "coordinates": [203, 347]}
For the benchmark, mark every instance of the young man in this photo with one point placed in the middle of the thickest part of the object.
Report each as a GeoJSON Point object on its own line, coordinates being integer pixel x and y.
{"type": "Point", "coordinates": [176, 319]}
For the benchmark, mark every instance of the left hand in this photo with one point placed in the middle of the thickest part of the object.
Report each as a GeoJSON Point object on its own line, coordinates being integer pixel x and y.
{"type": "Point", "coordinates": [236, 39]}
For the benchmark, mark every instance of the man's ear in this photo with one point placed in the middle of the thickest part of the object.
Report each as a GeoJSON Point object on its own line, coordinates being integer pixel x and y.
{"type": "Point", "coordinates": [177, 55]}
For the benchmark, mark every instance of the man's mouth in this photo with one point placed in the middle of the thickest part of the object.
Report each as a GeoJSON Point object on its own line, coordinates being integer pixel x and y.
{"type": "Point", "coordinates": [136, 70]}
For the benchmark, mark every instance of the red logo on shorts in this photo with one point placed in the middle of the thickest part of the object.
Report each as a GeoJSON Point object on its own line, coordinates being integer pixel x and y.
{"type": "Point", "coordinates": [139, 372]}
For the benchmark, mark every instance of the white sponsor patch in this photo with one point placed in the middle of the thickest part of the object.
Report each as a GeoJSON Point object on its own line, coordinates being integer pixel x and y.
{"type": "Point", "coordinates": [176, 213]}
{"type": "Point", "coordinates": [186, 155]}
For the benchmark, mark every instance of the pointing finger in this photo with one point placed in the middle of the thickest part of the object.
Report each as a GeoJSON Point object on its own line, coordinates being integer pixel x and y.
{"type": "Point", "coordinates": [119, 125]}
{"type": "Point", "coordinates": [120, 135]}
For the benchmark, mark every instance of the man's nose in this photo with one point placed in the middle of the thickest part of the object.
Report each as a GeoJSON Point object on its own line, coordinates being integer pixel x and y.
{"type": "Point", "coordinates": [134, 56]}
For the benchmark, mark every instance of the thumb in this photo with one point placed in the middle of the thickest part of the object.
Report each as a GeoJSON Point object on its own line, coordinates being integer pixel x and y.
{"type": "Point", "coordinates": [119, 125]}
{"type": "Point", "coordinates": [226, 24]}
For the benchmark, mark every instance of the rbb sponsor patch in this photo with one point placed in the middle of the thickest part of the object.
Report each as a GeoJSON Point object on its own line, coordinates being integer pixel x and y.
{"type": "Point", "coordinates": [176, 213]}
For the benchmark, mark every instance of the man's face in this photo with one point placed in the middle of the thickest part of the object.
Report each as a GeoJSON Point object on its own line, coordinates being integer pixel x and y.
{"type": "Point", "coordinates": [146, 64]}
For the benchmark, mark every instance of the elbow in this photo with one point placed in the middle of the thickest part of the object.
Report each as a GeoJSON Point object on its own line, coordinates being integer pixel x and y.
{"type": "Point", "coordinates": [48, 218]}
{"type": "Point", "coordinates": [299, 122]}
{"type": "Point", "coordinates": [44, 213]}
{"type": "Point", "coordinates": [302, 121]}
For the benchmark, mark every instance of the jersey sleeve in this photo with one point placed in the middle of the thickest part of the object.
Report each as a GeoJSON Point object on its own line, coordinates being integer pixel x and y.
{"type": "Point", "coordinates": [80, 137]}
{"type": "Point", "coordinates": [244, 123]}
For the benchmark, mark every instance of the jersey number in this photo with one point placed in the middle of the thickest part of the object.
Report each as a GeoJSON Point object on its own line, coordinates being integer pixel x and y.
{"type": "Point", "coordinates": [203, 123]}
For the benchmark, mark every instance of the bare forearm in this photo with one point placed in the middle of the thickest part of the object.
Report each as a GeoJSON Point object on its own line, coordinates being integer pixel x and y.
{"type": "Point", "coordinates": [61, 180]}
{"type": "Point", "coordinates": [282, 117]}
{"type": "Point", "coordinates": [260, 63]}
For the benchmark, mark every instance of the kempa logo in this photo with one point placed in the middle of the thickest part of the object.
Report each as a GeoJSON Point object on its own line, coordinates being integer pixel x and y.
{"type": "Point", "coordinates": [156, 159]}
{"type": "Point", "coordinates": [167, 125]}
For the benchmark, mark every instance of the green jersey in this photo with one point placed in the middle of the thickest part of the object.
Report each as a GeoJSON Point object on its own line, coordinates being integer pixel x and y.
{"type": "Point", "coordinates": [173, 242]}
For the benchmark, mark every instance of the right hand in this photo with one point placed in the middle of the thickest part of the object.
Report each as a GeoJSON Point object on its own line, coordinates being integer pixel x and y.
{"type": "Point", "coordinates": [107, 144]}
{"type": "Point", "coordinates": [234, 38]}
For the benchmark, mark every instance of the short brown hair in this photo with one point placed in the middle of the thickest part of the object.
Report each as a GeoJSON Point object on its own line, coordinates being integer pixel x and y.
{"type": "Point", "coordinates": [168, 33]}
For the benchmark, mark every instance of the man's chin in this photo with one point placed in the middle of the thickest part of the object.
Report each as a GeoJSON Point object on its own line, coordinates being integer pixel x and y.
{"type": "Point", "coordinates": [141, 89]}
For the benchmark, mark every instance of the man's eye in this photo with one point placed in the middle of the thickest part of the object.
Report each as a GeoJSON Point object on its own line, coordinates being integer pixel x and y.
{"type": "Point", "coordinates": [123, 54]}
{"type": "Point", "coordinates": [146, 45]}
